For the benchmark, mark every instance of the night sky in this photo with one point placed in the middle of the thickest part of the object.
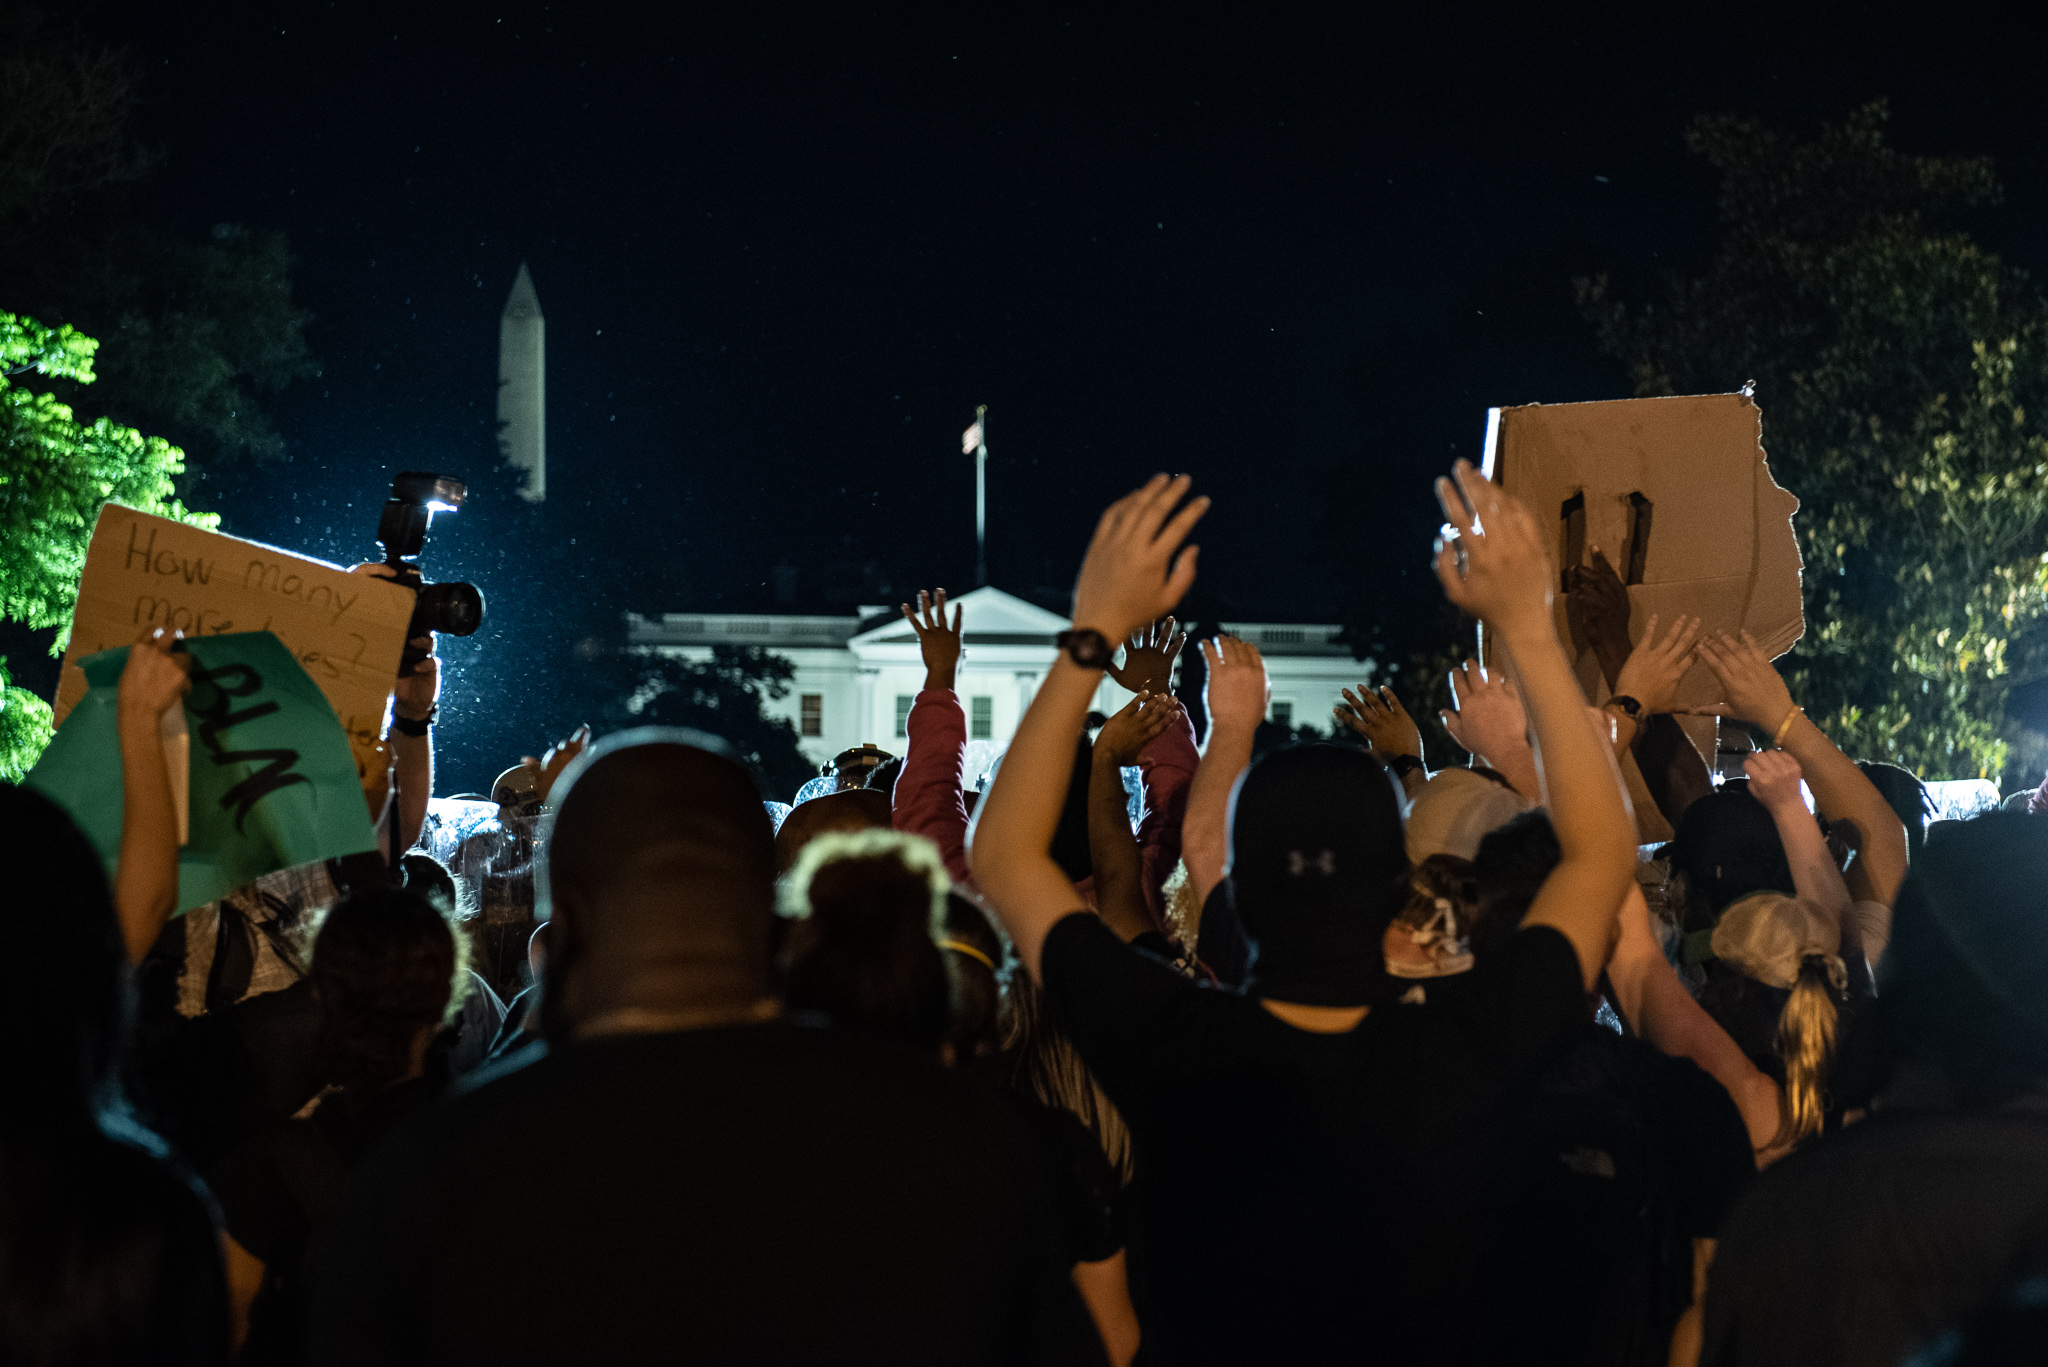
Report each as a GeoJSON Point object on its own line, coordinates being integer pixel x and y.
{"type": "Point", "coordinates": [1296, 254]}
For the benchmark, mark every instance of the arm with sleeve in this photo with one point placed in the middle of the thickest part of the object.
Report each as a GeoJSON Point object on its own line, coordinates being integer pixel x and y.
{"type": "Point", "coordinates": [930, 798]}
{"type": "Point", "coordinates": [1169, 767]}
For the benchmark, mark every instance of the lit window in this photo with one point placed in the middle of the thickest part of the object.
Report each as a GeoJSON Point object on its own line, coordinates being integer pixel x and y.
{"type": "Point", "coordinates": [811, 714]}
{"type": "Point", "coordinates": [1283, 712]}
{"type": "Point", "coordinates": [982, 720]}
{"type": "Point", "coordinates": [903, 701]}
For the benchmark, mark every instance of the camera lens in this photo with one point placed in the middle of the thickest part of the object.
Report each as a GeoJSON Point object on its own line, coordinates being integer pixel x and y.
{"type": "Point", "coordinates": [454, 609]}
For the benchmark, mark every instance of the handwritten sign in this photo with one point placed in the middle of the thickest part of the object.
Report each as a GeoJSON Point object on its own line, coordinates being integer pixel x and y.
{"type": "Point", "coordinates": [345, 630]}
{"type": "Point", "coordinates": [272, 783]}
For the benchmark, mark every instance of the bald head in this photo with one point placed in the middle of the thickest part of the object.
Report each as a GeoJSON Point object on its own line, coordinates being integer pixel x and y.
{"type": "Point", "coordinates": [660, 876]}
{"type": "Point", "coordinates": [857, 809]}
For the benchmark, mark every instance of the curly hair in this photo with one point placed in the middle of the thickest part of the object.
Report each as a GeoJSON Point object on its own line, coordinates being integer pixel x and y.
{"type": "Point", "coordinates": [387, 963]}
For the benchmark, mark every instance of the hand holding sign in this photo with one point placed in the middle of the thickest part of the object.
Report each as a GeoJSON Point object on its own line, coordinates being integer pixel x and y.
{"type": "Point", "coordinates": [273, 780]}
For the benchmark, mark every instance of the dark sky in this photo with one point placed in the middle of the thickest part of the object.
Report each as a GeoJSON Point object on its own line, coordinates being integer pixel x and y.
{"type": "Point", "coordinates": [1296, 253]}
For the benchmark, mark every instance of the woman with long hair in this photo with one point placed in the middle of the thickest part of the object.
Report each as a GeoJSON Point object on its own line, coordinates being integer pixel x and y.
{"type": "Point", "coordinates": [107, 1248]}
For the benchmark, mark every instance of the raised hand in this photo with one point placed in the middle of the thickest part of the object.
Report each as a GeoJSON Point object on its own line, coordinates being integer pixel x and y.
{"type": "Point", "coordinates": [1236, 692]}
{"type": "Point", "coordinates": [1377, 715]}
{"type": "Point", "coordinates": [549, 767]}
{"type": "Point", "coordinates": [1654, 667]}
{"type": "Point", "coordinates": [153, 679]}
{"type": "Point", "coordinates": [1774, 780]}
{"type": "Point", "coordinates": [1490, 559]}
{"type": "Point", "coordinates": [1486, 716]}
{"type": "Point", "coordinates": [1136, 569]}
{"type": "Point", "coordinates": [1149, 657]}
{"type": "Point", "coordinates": [1755, 692]}
{"type": "Point", "coordinates": [1597, 602]}
{"type": "Point", "coordinates": [1124, 736]}
{"type": "Point", "coordinates": [936, 641]}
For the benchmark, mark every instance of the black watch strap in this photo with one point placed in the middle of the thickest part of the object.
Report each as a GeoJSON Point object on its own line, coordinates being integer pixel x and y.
{"type": "Point", "coordinates": [1404, 765]}
{"type": "Point", "coordinates": [406, 726]}
{"type": "Point", "coordinates": [1628, 705]}
{"type": "Point", "coordinates": [1087, 647]}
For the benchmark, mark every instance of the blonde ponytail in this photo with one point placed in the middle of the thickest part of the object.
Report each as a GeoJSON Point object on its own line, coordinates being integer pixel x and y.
{"type": "Point", "coordinates": [1806, 1043]}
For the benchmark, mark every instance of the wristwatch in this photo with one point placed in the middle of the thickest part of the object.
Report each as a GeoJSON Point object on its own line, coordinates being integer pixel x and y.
{"type": "Point", "coordinates": [1404, 765]}
{"type": "Point", "coordinates": [1627, 704]}
{"type": "Point", "coordinates": [1087, 647]}
{"type": "Point", "coordinates": [408, 726]}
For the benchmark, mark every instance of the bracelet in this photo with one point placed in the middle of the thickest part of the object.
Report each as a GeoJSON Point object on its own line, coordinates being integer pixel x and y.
{"type": "Point", "coordinates": [1778, 740]}
{"type": "Point", "coordinates": [407, 726]}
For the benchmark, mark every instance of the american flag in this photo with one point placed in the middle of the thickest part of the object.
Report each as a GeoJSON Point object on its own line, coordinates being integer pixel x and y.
{"type": "Point", "coordinates": [970, 439]}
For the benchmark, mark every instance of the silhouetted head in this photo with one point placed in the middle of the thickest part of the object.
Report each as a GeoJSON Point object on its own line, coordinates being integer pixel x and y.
{"type": "Point", "coordinates": [1906, 795]}
{"type": "Point", "coordinates": [1317, 870]}
{"type": "Point", "coordinates": [868, 910]}
{"type": "Point", "coordinates": [1963, 987]}
{"type": "Point", "coordinates": [659, 878]}
{"type": "Point", "coordinates": [385, 965]}
{"type": "Point", "coordinates": [1510, 866]}
{"type": "Point", "coordinates": [1727, 847]}
{"type": "Point", "coordinates": [974, 952]}
{"type": "Point", "coordinates": [855, 809]}
{"type": "Point", "coordinates": [66, 1011]}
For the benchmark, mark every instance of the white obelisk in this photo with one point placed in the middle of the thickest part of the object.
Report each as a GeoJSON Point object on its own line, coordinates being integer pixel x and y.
{"type": "Point", "coordinates": [522, 387]}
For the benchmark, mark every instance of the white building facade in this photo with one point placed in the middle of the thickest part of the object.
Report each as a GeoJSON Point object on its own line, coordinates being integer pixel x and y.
{"type": "Point", "coordinates": [857, 676]}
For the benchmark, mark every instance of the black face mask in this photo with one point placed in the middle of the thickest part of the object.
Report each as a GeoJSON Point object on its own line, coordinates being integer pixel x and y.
{"type": "Point", "coordinates": [1318, 869]}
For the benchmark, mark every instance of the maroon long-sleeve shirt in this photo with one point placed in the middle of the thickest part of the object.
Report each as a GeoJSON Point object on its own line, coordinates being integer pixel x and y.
{"type": "Point", "coordinates": [930, 798]}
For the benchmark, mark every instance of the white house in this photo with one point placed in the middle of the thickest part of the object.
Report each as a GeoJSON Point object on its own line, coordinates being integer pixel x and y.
{"type": "Point", "coordinates": [857, 676]}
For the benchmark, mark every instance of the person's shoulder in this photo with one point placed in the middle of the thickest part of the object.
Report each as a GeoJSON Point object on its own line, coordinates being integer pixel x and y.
{"type": "Point", "coordinates": [137, 1171]}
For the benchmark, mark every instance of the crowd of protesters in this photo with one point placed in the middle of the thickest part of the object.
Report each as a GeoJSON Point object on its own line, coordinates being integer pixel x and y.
{"type": "Point", "coordinates": [1310, 1056]}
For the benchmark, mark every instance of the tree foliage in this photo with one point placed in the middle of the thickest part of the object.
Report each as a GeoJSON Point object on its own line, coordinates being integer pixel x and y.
{"type": "Point", "coordinates": [55, 474]}
{"type": "Point", "coordinates": [722, 696]}
{"type": "Point", "coordinates": [1897, 364]}
{"type": "Point", "coordinates": [199, 327]}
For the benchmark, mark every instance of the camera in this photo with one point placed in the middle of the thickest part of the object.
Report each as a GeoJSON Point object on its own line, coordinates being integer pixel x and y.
{"type": "Point", "coordinates": [453, 609]}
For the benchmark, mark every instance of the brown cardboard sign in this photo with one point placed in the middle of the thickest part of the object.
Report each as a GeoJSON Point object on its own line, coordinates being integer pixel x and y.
{"type": "Point", "coordinates": [1678, 494]}
{"type": "Point", "coordinates": [346, 630]}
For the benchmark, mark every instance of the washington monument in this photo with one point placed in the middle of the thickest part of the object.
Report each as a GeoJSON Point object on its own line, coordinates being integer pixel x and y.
{"type": "Point", "coordinates": [522, 386]}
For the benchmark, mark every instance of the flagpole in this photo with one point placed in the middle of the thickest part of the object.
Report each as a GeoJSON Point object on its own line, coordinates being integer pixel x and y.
{"type": "Point", "coordinates": [981, 498]}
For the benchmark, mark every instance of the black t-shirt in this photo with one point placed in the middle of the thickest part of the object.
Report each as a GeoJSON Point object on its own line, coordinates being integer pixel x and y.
{"type": "Point", "coordinates": [1325, 1169]}
{"type": "Point", "coordinates": [1085, 1193]}
{"type": "Point", "coordinates": [1864, 1244]}
{"type": "Point", "coordinates": [1604, 1169]}
{"type": "Point", "coordinates": [278, 1187]}
{"type": "Point", "coordinates": [759, 1194]}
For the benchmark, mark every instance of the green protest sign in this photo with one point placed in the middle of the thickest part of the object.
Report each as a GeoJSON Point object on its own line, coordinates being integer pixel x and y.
{"type": "Point", "coordinates": [273, 782]}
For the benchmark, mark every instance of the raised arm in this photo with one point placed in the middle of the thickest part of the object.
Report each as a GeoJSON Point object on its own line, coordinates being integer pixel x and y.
{"type": "Point", "coordinates": [1235, 692]}
{"type": "Point", "coordinates": [1112, 848]}
{"type": "Point", "coordinates": [413, 708]}
{"type": "Point", "coordinates": [1774, 781]}
{"type": "Point", "coordinates": [1850, 801]}
{"type": "Point", "coordinates": [1487, 720]}
{"type": "Point", "coordinates": [153, 681]}
{"type": "Point", "coordinates": [1657, 1007]}
{"type": "Point", "coordinates": [1495, 568]}
{"type": "Point", "coordinates": [1390, 733]}
{"type": "Point", "coordinates": [929, 798]}
{"type": "Point", "coordinates": [1150, 657]}
{"type": "Point", "coordinates": [1135, 570]}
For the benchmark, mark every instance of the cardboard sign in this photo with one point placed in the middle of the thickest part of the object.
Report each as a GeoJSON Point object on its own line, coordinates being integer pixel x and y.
{"type": "Point", "coordinates": [345, 630]}
{"type": "Point", "coordinates": [272, 780]}
{"type": "Point", "coordinates": [1677, 494]}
